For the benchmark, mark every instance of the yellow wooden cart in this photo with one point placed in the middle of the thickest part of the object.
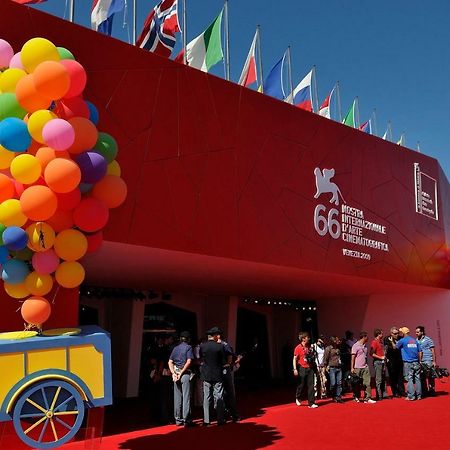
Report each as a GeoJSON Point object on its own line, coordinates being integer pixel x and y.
{"type": "Point", "coordinates": [48, 381]}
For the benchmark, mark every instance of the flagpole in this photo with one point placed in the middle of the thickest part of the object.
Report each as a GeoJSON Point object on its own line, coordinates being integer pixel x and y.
{"type": "Point", "coordinates": [375, 126]}
{"type": "Point", "coordinates": [72, 10]}
{"type": "Point", "coordinates": [390, 130]}
{"type": "Point", "coordinates": [291, 87]}
{"type": "Point", "coordinates": [418, 146]}
{"type": "Point", "coordinates": [338, 91]}
{"type": "Point", "coordinates": [227, 42]}
{"type": "Point", "coordinates": [357, 111]}
{"type": "Point", "coordinates": [184, 34]}
{"type": "Point", "coordinates": [316, 95]}
{"type": "Point", "coordinates": [134, 20]}
{"type": "Point", "coordinates": [258, 50]}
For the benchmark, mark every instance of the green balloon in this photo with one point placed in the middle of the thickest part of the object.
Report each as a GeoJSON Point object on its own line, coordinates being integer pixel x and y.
{"type": "Point", "coordinates": [24, 255]}
{"type": "Point", "coordinates": [64, 53]}
{"type": "Point", "coordinates": [9, 106]}
{"type": "Point", "coordinates": [107, 147]}
{"type": "Point", "coordinates": [2, 229]}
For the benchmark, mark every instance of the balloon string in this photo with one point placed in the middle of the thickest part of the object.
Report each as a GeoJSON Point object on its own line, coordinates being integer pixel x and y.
{"type": "Point", "coordinates": [56, 293]}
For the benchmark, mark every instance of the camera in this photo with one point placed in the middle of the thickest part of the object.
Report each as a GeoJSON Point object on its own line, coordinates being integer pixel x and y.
{"type": "Point", "coordinates": [310, 357]}
{"type": "Point", "coordinates": [434, 372]}
{"type": "Point", "coordinates": [353, 379]}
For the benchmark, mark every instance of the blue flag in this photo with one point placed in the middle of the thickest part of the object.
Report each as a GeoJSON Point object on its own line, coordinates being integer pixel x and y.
{"type": "Point", "coordinates": [273, 84]}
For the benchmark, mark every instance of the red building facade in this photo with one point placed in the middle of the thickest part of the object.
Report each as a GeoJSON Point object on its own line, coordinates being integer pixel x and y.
{"type": "Point", "coordinates": [233, 194]}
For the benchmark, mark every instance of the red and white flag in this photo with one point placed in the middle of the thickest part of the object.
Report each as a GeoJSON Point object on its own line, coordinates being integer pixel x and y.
{"type": "Point", "coordinates": [28, 2]}
{"type": "Point", "coordinates": [248, 75]}
{"type": "Point", "coordinates": [324, 109]}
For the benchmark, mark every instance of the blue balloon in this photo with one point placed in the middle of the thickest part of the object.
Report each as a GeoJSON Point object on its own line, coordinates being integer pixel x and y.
{"type": "Point", "coordinates": [14, 135]}
{"type": "Point", "coordinates": [15, 238]}
{"type": "Point", "coordinates": [15, 271]}
{"type": "Point", "coordinates": [4, 254]}
{"type": "Point", "coordinates": [93, 113]}
{"type": "Point", "coordinates": [85, 187]}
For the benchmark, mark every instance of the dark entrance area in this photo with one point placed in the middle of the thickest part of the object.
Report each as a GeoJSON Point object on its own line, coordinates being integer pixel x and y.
{"type": "Point", "coordinates": [252, 341]}
{"type": "Point", "coordinates": [162, 325]}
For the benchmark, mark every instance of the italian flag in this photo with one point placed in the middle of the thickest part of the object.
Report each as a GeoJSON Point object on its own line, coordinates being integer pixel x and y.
{"type": "Point", "coordinates": [206, 50]}
{"type": "Point", "coordinates": [350, 116]}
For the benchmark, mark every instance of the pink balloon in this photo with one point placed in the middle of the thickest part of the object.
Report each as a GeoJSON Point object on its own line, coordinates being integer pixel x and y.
{"type": "Point", "coordinates": [45, 262]}
{"type": "Point", "coordinates": [16, 62]}
{"type": "Point", "coordinates": [58, 134]}
{"type": "Point", "coordinates": [6, 53]}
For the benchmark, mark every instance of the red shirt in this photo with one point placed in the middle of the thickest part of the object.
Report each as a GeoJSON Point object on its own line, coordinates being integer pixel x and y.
{"type": "Point", "coordinates": [377, 348]}
{"type": "Point", "coordinates": [300, 352]}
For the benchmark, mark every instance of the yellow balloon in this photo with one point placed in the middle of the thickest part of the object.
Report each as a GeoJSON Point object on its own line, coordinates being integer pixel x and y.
{"type": "Point", "coordinates": [26, 168]}
{"type": "Point", "coordinates": [36, 123]}
{"type": "Point", "coordinates": [70, 245]}
{"type": "Point", "coordinates": [39, 284]}
{"type": "Point", "coordinates": [69, 274]}
{"type": "Point", "coordinates": [11, 213]}
{"type": "Point", "coordinates": [38, 50]}
{"type": "Point", "coordinates": [6, 157]}
{"type": "Point", "coordinates": [41, 237]}
{"type": "Point", "coordinates": [17, 290]}
{"type": "Point", "coordinates": [9, 79]}
{"type": "Point", "coordinates": [113, 168]}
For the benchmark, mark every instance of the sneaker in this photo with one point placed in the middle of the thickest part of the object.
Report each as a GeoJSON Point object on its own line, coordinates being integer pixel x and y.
{"type": "Point", "coordinates": [314, 405]}
{"type": "Point", "coordinates": [369, 400]}
{"type": "Point", "coordinates": [418, 397]}
{"type": "Point", "coordinates": [298, 402]}
{"type": "Point", "coordinates": [409, 399]}
{"type": "Point", "coordinates": [356, 399]}
{"type": "Point", "coordinates": [338, 400]}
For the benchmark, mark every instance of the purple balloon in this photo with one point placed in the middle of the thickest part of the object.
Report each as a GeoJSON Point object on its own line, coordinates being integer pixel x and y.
{"type": "Point", "coordinates": [93, 167]}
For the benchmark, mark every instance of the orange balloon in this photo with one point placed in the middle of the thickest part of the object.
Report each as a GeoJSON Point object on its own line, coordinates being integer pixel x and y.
{"type": "Point", "coordinates": [62, 175]}
{"type": "Point", "coordinates": [47, 154]}
{"type": "Point", "coordinates": [86, 135]}
{"type": "Point", "coordinates": [51, 79]}
{"type": "Point", "coordinates": [7, 188]}
{"type": "Point", "coordinates": [38, 203]}
{"type": "Point", "coordinates": [111, 190]}
{"type": "Point", "coordinates": [61, 220]}
{"type": "Point", "coordinates": [28, 97]}
{"type": "Point", "coordinates": [36, 310]}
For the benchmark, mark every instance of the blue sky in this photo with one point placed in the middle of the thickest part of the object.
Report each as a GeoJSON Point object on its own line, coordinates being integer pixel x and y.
{"type": "Point", "coordinates": [393, 55]}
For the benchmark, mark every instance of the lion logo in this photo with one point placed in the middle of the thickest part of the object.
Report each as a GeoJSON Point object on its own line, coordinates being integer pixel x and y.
{"type": "Point", "coordinates": [325, 185]}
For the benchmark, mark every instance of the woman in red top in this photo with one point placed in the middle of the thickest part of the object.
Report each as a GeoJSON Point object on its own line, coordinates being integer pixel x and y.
{"type": "Point", "coordinates": [304, 370]}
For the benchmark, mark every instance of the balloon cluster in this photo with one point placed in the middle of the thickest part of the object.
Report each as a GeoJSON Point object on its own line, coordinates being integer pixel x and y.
{"type": "Point", "coordinates": [58, 174]}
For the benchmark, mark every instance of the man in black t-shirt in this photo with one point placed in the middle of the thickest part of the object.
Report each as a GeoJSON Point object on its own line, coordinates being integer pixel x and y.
{"type": "Point", "coordinates": [394, 363]}
{"type": "Point", "coordinates": [213, 356]}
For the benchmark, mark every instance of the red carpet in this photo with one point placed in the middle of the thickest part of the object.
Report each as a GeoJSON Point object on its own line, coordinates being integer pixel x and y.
{"type": "Point", "coordinates": [390, 424]}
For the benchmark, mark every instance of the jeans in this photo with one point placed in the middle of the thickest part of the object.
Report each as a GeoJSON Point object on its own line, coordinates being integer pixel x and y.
{"type": "Point", "coordinates": [336, 381]}
{"type": "Point", "coordinates": [380, 380]}
{"type": "Point", "coordinates": [213, 392]}
{"type": "Point", "coordinates": [412, 375]}
{"type": "Point", "coordinates": [306, 378]}
{"type": "Point", "coordinates": [428, 384]}
{"type": "Point", "coordinates": [365, 375]}
{"type": "Point", "coordinates": [182, 399]}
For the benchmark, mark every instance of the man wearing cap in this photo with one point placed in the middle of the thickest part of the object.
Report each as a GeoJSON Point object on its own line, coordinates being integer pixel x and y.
{"type": "Point", "coordinates": [179, 362]}
{"type": "Point", "coordinates": [213, 356]}
{"type": "Point", "coordinates": [412, 356]}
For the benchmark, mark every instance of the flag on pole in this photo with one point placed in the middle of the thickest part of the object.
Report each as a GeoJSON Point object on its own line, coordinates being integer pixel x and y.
{"type": "Point", "coordinates": [366, 127]}
{"type": "Point", "coordinates": [29, 2]}
{"type": "Point", "coordinates": [349, 118]}
{"type": "Point", "coordinates": [301, 95]}
{"type": "Point", "coordinates": [158, 34]}
{"type": "Point", "coordinates": [324, 109]}
{"type": "Point", "coordinates": [273, 84]}
{"type": "Point", "coordinates": [102, 14]}
{"type": "Point", "coordinates": [206, 50]}
{"type": "Point", "coordinates": [248, 75]}
{"type": "Point", "coordinates": [402, 140]}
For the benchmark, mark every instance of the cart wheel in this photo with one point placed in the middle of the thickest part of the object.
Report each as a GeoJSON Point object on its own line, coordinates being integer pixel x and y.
{"type": "Point", "coordinates": [48, 414]}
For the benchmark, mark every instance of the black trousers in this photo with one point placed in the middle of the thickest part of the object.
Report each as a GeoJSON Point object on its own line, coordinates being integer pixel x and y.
{"type": "Point", "coordinates": [306, 379]}
{"type": "Point", "coordinates": [395, 371]}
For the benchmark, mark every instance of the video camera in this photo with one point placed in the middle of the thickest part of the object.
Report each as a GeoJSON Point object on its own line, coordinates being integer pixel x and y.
{"type": "Point", "coordinates": [353, 379]}
{"type": "Point", "coordinates": [435, 372]}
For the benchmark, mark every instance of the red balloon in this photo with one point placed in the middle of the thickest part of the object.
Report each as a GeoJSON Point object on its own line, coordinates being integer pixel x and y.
{"type": "Point", "coordinates": [91, 215]}
{"type": "Point", "coordinates": [77, 75]}
{"type": "Point", "coordinates": [61, 220]}
{"type": "Point", "coordinates": [95, 240]}
{"type": "Point", "coordinates": [68, 200]}
{"type": "Point", "coordinates": [7, 190]}
{"type": "Point", "coordinates": [72, 107]}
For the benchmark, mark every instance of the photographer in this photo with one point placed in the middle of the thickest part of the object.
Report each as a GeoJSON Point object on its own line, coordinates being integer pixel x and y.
{"type": "Point", "coordinates": [428, 362]}
{"type": "Point", "coordinates": [320, 375]}
{"type": "Point", "coordinates": [303, 363]}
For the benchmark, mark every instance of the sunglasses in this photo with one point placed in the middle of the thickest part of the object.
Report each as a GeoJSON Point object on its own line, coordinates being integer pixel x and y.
{"type": "Point", "coordinates": [395, 332]}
